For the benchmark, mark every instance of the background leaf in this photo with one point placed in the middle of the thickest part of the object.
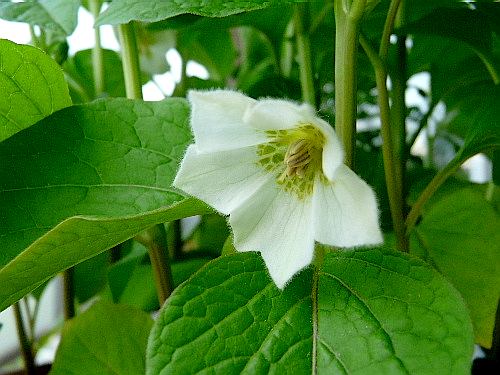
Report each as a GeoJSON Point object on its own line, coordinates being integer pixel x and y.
{"type": "Point", "coordinates": [123, 11]}
{"type": "Point", "coordinates": [459, 235]}
{"type": "Point", "coordinates": [85, 179]}
{"type": "Point", "coordinates": [371, 311]}
{"type": "Point", "coordinates": [56, 15]}
{"type": "Point", "coordinates": [106, 339]}
{"type": "Point", "coordinates": [22, 103]}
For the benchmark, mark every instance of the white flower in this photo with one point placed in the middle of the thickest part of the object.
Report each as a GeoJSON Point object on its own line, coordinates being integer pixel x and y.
{"type": "Point", "coordinates": [277, 170]}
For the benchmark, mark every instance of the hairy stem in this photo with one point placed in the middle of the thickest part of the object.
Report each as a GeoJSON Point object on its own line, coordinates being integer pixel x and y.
{"type": "Point", "coordinates": [26, 346]}
{"type": "Point", "coordinates": [346, 48]}
{"type": "Point", "coordinates": [390, 162]}
{"type": "Point", "coordinates": [304, 54]}
{"type": "Point", "coordinates": [97, 53]}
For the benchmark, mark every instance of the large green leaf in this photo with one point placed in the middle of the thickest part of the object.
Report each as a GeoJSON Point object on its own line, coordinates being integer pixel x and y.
{"type": "Point", "coordinates": [105, 340]}
{"type": "Point", "coordinates": [84, 179]}
{"type": "Point", "coordinates": [32, 87]}
{"type": "Point", "coordinates": [56, 15]}
{"type": "Point", "coordinates": [123, 11]}
{"type": "Point", "coordinates": [460, 235]}
{"type": "Point", "coordinates": [365, 312]}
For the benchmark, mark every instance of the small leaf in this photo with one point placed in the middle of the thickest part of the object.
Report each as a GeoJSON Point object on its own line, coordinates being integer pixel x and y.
{"type": "Point", "coordinates": [459, 235]}
{"type": "Point", "coordinates": [123, 11]}
{"type": "Point", "coordinates": [32, 86]}
{"type": "Point", "coordinates": [56, 15]}
{"type": "Point", "coordinates": [83, 180]}
{"type": "Point", "coordinates": [106, 339]}
{"type": "Point", "coordinates": [366, 312]}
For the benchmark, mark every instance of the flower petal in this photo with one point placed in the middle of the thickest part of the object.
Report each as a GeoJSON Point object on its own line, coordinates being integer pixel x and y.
{"type": "Point", "coordinates": [280, 227]}
{"type": "Point", "coordinates": [345, 211]}
{"type": "Point", "coordinates": [217, 120]}
{"type": "Point", "coordinates": [221, 179]}
{"type": "Point", "coordinates": [333, 153]}
{"type": "Point", "coordinates": [274, 114]}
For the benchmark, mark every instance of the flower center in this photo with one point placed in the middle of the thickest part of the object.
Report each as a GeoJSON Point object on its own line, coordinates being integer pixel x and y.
{"type": "Point", "coordinates": [294, 156]}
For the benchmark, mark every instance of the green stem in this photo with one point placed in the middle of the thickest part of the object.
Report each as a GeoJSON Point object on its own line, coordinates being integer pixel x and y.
{"type": "Point", "coordinates": [130, 60]}
{"type": "Point", "coordinates": [318, 263]}
{"type": "Point", "coordinates": [346, 48]}
{"type": "Point", "coordinates": [304, 54]}
{"type": "Point", "coordinates": [490, 66]}
{"type": "Point", "coordinates": [388, 27]}
{"type": "Point", "coordinates": [390, 162]}
{"type": "Point", "coordinates": [97, 53]}
{"type": "Point", "coordinates": [69, 293]}
{"type": "Point", "coordinates": [155, 240]}
{"type": "Point", "coordinates": [436, 182]}
{"type": "Point", "coordinates": [287, 51]}
{"type": "Point", "coordinates": [26, 347]}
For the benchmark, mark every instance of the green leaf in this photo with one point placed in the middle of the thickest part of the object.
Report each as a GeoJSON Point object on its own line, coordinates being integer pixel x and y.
{"type": "Point", "coordinates": [474, 117]}
{"type": "Point", "coordinates": [365, 312]}
{"type": "Point", "coordinates": [81, 76]}
{"type": "Point", "coordinates": [56, 15]}
{"type": "Point", "coordinates": [123, 11]}
{"type": "Point", "coordinates": [83, 180]}
{"type": "Point", "coordinates": [89, 277]}
{"type": "Point", "coordinates": [32, 87]}
{"type": "Point", "coordinates": [106, 339]}
{"type": "Point", "coordinates": [459, 235]}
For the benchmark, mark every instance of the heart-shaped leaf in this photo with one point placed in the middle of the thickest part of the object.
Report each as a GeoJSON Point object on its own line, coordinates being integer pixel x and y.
{"type": "Point", "coordinates": [364, 312]}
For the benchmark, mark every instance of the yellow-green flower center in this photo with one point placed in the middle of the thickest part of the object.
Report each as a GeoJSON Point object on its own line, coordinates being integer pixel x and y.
{"type": "Point", "coordinates": [294, 157]}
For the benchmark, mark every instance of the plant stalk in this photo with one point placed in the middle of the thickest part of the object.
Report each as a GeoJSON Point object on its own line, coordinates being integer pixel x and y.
{"type": "Point", "coordinates": [390, 161]}
{"type": "Point", "coordinates": [97, 53]}
{"type": "Point", "coordinates": [130, 60]}
{"type": "Point", "coordinates": [153, 238]}
{"type": "Point", "coordinates": [304, 54]}
{"type": "Point", "coordinates": [346, 48]}
{"type": "Point", "coordinates": [26, 346]}
{"type": "Point", "coordinates": [69, 293]}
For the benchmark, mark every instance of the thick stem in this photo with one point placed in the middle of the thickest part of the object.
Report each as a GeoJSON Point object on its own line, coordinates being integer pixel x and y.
{"type": "Point", "coordinates": [346, 48]}
{"type": "Point", "coordinates": [26, 347]}
{"type": "Point", "coordinates": [390, 161]}
{"type": "Point", "coordinates": [304, 54]}
{"type": "Point", "coordinates": [130, 60]}
{"type": "Point", "coordinates": [97, 54]}
{"type": "Point", "coordinates": [69, 293]}
{"type": "Point", "coordinates": [155, 240]}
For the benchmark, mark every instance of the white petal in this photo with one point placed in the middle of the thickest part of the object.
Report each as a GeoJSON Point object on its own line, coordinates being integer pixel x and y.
{"type": "Point", "coordinates": [333, 153]}
{"type": "Point", "coordinates": [221, 179]}
{"type": "Point", "coordinates": [280, 227]}
{"type": "Point", "coordinates": [274, 114]}
{"type": "Point", "coordinates": [217, 120]}
{"type": "Point", "coordinates": [345, 211]}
